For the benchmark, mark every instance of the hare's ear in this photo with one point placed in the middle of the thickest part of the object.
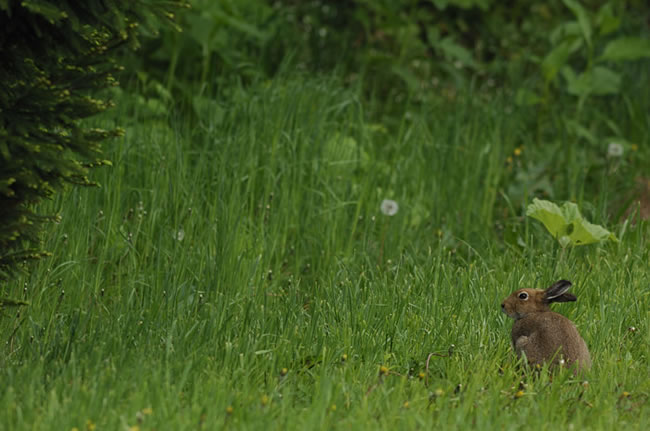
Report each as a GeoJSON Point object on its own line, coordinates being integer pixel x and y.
{"type": "Point", "coordinates": [557, 292]}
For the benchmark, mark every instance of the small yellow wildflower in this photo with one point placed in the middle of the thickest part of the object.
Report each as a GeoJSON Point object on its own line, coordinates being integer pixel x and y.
{"type": "Point", "coordinates": [147, 411]}
{"type": "Point", "coordinates": [90, 425]}
{"type": "Point", "coordinates": [518, 151]}
{"type": "Point", "coordinates": [229, 410]}
{"type": "Point", "coordinates": [421, 375]}
{"type": "Point", "coordinates": [383, 370]}
{"type": "Point", "coordinates": [264, 400]}
{"type": "Point", "coordinates": [519, 394]}
{"type": "Point", "coordinates": [333, 407]}
{"type": "Point", "coordinates": [405, 405]}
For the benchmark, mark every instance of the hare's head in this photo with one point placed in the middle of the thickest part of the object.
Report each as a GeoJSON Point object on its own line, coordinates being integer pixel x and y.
{"type": "Point", "coordinates": [523, 302]}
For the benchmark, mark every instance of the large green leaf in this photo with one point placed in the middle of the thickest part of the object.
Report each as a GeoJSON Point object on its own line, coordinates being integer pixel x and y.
{"type": "Point", "coordinates": [583, 18]}
{"type": "Point", "coordinates": [566, 224]}
{"type": "Point", "coordinates": [555, 60]}
{"type": "Point", "coordinates": [626, 48]}
{"type": "Point", "coordinates": [599, 80]}
{"type": "Point", "coordinates": [605, 81]}
{"type": "Point", "coordinates": [606, 21]}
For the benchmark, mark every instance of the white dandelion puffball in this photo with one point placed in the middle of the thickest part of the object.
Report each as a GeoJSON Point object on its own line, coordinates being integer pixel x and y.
{"type": "Point", "coordinates": [614, 149]}
{"type": "Point", "coordinates": [389, 207]}
{"type": "Point", "coordinates": [180, 235]}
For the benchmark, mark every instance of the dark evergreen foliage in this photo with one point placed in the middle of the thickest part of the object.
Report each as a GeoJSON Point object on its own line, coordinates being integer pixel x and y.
{"type": "Point", "coordinates": [55, 57]}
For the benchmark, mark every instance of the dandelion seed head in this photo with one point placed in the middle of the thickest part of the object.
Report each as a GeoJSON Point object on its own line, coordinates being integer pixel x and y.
{"type": "Point", "coordinates": [179, 235]}
{"type": "Point", "coordinates": [614, 149]}
{"type": "Point", "coordinates": [389, 207]}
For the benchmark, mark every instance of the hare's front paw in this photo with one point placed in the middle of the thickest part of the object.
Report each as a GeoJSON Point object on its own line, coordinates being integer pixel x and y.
{"type": "Point", "coordinates": [521, 342]}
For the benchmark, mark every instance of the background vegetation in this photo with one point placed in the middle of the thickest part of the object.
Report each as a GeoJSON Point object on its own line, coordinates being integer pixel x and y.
{"type": "Point", "coordinates": [54, 57]}
{"type": "Point", "coordinates": [235, 269]}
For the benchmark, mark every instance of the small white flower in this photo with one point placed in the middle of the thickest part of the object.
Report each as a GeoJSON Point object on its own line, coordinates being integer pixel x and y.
{"type": "Point", "coordinates": [389, 207]}
{"type": "Point", "coordinates": [180, 235]}
{"type": "Point", "coordinates": [614, 149]}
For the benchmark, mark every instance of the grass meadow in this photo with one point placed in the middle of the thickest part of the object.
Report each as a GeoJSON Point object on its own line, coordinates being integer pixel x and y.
{"type": "Point", "coordinates": [234, 271]}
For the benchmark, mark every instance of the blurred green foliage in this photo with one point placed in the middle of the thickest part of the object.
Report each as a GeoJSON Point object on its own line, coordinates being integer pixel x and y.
{"type": "Point", "coordinates": [399, 50]}
{"type": "Point", "coordinates": [550, 57]}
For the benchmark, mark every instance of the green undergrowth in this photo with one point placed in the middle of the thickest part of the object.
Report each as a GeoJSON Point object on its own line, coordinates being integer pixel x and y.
{"type": "Point", "coordinates": [235, 271]}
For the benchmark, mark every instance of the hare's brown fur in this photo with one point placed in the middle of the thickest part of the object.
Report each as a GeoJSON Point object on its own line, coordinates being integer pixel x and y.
{"type": "Point", "coordinates": [541, 334]}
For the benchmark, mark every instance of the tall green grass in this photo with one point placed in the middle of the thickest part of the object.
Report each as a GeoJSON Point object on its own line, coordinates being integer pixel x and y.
{"type": "Point", "coordinates": [234, 270]}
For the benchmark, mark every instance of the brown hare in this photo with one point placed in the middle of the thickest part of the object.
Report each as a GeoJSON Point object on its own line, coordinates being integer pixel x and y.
{"type": "Point", "coordinates": [541, 334]}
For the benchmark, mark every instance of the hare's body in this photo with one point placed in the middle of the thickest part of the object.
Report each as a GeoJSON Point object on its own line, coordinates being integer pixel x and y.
{"type": "Point", "coordinates": [542, 335]}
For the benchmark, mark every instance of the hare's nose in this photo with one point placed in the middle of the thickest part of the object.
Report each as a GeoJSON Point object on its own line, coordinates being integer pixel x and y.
{"type": "Point", "coordinates": [503, 305]}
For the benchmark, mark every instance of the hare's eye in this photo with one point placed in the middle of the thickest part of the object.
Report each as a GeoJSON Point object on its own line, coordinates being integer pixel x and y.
{"type": "Point", "coordinates": [523, 295]}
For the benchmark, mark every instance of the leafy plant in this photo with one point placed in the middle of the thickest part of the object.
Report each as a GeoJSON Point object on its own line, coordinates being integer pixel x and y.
{"type": "Point", "coordinates": [587, 53]}
{"type": "Point", "coordinates": [566, 224]}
